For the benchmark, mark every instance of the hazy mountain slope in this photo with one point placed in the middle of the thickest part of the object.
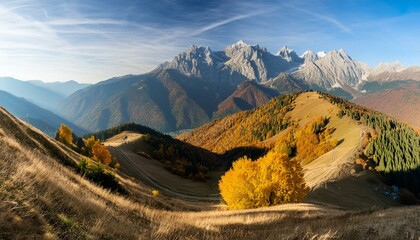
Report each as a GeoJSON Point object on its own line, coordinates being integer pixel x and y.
{"type": "Point", "coordinates": [393, 72]}
{"type": "Point", "coordinates": [400, 99]}
{"type": "Point", "coordinates": [43, 97]}
{"type": "Point", "coordinates": [163, 99]}
{"type": "Point", "coordinates": [248, 95]}
{"type": "Point", "coordinates": [63, 88]}
{"type": "Point", "coordinates": [42, 119]}
{"type": "Point", "coordinates": [286, 83]}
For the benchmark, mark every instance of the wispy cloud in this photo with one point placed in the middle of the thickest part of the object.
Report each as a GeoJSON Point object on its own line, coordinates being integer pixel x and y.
{"type": "Point", "coordinates": [229, 20]}
{"type": "Point", "coordinates": [322, 17]}
{"type": "Point", "coordinates": [91, 40]}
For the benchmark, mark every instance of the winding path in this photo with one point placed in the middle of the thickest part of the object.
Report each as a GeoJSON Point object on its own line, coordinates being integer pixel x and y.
{"type": "Point", "coordinates": [129, 163]}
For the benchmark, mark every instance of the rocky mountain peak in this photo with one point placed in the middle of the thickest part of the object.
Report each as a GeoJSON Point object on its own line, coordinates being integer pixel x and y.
{"type": "Point", "coordinates": [239, 44]}
{"type": "Point", "coordinates": [334, 69]}
{"type": "Point", "coordinates": [288, 54]}
{"type": "Point", "coordinates": [310, 56]}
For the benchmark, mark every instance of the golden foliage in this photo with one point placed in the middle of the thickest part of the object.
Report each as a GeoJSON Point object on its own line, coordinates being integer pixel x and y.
{"type": "Point", "coordinates": [117, 166]}
{"type": "Point", "coordinates": [97, 151]}
{"type": "Point", "coordinates": [313, 141]}
{"type": "Point", "coordinates": [271, 180]}
{"type": "Point", "coordinates": [65, 135]}
{"type": "Point", "coordinates": [155, 193]}
{"type": "Point", "coordinates": [245, 128]}
{"type": "Point", "coordinates": [101, 154]}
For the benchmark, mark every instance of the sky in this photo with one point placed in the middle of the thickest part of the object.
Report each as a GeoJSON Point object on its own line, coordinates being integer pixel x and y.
{"type": "Point", "coordinates": [93, 40]}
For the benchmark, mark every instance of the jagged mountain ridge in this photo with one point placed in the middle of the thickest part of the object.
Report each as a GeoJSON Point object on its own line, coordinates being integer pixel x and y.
{"type": "Point", "coordinates": [323, 70]}
{"type": "Point", "coordinates": [236, 63]}
{"type": "Point", "coordinates": [192, 88]}
{"type": "Point", "coordinates": [386, 72]}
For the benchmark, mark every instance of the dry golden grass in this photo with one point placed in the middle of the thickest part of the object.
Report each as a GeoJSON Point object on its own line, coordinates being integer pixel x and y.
{"type": "Point", "coordinates": [42, 199]}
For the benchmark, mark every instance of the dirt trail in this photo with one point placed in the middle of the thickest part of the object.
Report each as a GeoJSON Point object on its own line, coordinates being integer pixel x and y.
{"type": "Point", "coordinates": [146, 170]}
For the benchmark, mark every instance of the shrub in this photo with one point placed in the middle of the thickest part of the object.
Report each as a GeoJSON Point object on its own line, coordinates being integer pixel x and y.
{"type": "Point", "coordinates": [97, 173]}
{"type": "Point", "coordinates": [155, 193]}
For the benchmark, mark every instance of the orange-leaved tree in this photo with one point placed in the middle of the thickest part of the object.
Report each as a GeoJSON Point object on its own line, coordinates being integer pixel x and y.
{"type": "Point", "coordinates": [101, 153]}
{"type": "Point", "coordinates": [273, 179]}
{"type": "Point", "coordinates": [97, 151]}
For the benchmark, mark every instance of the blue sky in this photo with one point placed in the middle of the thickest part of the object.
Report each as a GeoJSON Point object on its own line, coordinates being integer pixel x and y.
{"type": "Point", "coordinates": [93, 40]}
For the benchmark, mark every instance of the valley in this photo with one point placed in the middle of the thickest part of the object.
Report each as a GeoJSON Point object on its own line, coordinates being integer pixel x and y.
{"type": "Point", "coordinates": [163, 187]}
{"type": "Point", "coordinates": [340, 203]}
{"type": "Point", "coordinates": [209, 120]}
{"type": "Point", "coordinates": [126, 148]}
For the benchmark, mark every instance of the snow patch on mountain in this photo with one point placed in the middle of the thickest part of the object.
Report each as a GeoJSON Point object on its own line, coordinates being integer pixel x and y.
{"type": "Point", "coordinates": [321, 54]}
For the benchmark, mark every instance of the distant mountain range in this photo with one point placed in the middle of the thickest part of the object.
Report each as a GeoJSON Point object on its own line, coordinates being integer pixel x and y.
{"type": "Point", "coordinates": [199, 85]}
{"type": "Point", "coordinates": [63, 88]}
{"type": "Point", "coordinates": [45, 95]}
{"type": "Point", "coordinates": [40, 118]}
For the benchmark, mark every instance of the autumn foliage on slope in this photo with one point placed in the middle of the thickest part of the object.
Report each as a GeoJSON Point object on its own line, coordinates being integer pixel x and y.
{"type": "Point", "coordinates": [96, 170]}
{"type": "Point", "coordinates": [245, 128]}
{"type": "Point", "coordinates": [90, 147]}
{"type": "Point", "coordinates": [273, 179]}
{"type": "Point", "coordinates": [277, 177]}
{"type": "Point", "coordinates": [313, 140]}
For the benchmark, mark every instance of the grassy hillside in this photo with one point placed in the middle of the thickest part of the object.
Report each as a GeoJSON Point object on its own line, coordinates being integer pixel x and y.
{"type": "Point", "coordinates": [390, 147]}
{"type": "Point", "coordinates": [394, 147]}
{"type": "Point", "coordinates": [41, 198]}
{"type": "Point", "coordinates": [243, 129]}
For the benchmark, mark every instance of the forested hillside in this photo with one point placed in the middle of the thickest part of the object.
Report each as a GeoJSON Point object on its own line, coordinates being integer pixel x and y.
{"type": "Point", "coordinates": [179, 157]}
{"type": "Point", "coordinates": [395, 148]}
{"type": "Point", "coordinates": [245, 128]}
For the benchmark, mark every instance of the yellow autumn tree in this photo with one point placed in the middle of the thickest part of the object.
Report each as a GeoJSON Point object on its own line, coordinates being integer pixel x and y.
{"type": "Point", "coordinates": [237, 186]}
{"type": "Point", "coordinates": [90, 142]}
{"type": "Point", "coordinates": [270, 180]}
{"type": "Point", "coordinates": [65, 135]}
